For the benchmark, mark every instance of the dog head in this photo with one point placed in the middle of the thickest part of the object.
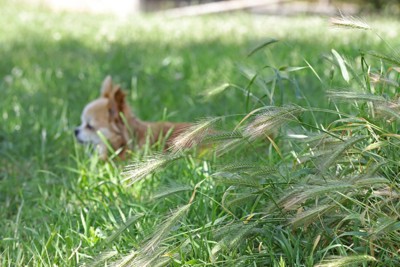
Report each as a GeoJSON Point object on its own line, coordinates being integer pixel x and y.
{"type": "Point", "coordinates": [101, 118]}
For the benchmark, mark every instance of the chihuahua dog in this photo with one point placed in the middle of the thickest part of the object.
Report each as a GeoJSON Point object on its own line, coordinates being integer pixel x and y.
{"type": "Point", "coordinates": [111, 117]}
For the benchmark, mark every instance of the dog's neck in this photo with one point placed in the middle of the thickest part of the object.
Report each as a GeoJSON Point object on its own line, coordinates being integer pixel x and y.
{"type": "Point", "coordinates": [138, 128]}
{"type": "Point", "coordinates": [137, 125]}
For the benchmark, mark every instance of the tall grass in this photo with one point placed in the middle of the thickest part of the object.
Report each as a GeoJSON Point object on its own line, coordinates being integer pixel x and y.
{"type": "Point", "coordinates": [329, 199]}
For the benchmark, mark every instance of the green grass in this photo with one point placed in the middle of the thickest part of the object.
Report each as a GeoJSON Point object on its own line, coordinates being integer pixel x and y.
{"type": "Point", "coordinates": [60, 207]}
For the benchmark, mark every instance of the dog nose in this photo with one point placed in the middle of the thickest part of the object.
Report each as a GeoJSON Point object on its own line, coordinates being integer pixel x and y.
{"type": "Point", "coordinates": [76, 131]}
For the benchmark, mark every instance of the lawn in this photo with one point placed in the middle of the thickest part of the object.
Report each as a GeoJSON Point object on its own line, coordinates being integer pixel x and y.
{"type": "Point", "coordinates": [61, 207]}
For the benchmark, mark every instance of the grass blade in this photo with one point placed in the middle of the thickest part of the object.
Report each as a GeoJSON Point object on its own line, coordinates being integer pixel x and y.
{"type": "Point", "coordinates": [216, 91]}
{"type": "Point", "coordinates": [229, 178]}
{"type": "Point", "coordinates": [261, 46]}
{"type": "Point", "coordinates": [342, 65]}
{"type": "Point", "coordinates": [171, 190]}
{"type": "Point", "coordinates": [125, 225]}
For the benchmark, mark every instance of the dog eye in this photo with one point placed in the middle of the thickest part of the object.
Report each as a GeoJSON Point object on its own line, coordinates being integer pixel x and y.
{"type": "Point", "coordinates": [90, 127]}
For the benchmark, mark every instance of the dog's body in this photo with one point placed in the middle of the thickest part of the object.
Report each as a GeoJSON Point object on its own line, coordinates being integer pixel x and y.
{"type": "Point", "coordinates": [112, 117]}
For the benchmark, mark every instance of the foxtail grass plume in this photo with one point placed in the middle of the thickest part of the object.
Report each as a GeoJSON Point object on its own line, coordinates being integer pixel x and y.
{"type": "Point", "coordinates": [376, 78]}
{"type": "Point", "coordinates": [101, 258]}
{"type": "Point", "coordinates": [137, 258]}
{"type": "Point", "coordinates": [307, 217]}
{"type": "Point", "coordinates": [339, 261]}
{"type": "Point", "coordinates": [194, 135]}
{"type": "Point", "coordinates": [268, 122]}
{"type": "Point", "coordinates": [390, 111]}
{"type": "Point", "coordinates": [153, 252]}
{"type": "Point", "coordinates": [224, 142]}
{"type": "Point", "coordinates": [227, 146]}
{"type": "Point", "coordinates": [236, 234]}
{"type": "Point", "coordinates": [292, 200]}
{"type": "Point", "coordinates": [350, 23]}
{"type": "Point", "coordinates": [137, 171]}
{"type": "Point", "coordinates": [216, 91]}
{"type": "Point", "coordinates": [354, 96]}
{"type": "Point", "coordinates": [165, 228]}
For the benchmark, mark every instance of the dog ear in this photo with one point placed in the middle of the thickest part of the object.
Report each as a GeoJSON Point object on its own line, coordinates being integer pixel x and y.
{"type": "Point", "coordinates": [116, 103]}
{"type": "Point", "coordinates": [119, 98]}
{"type": "Point", "coordinates": [107, 87]}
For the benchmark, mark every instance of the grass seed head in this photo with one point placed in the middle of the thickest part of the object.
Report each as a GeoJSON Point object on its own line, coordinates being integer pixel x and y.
{"type": "Point", "coordinates": [138, 171]}
{"type": "Point", "coordinates": [194, 135]}
{"type": "Point", "coordinates": [349, 23]}
{"type": "Point", "coordinates": [269, 122]}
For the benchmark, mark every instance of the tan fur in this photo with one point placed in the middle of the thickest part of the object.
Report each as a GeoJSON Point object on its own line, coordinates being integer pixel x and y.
{"type": "Point", "coordinates": [103, 115]}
